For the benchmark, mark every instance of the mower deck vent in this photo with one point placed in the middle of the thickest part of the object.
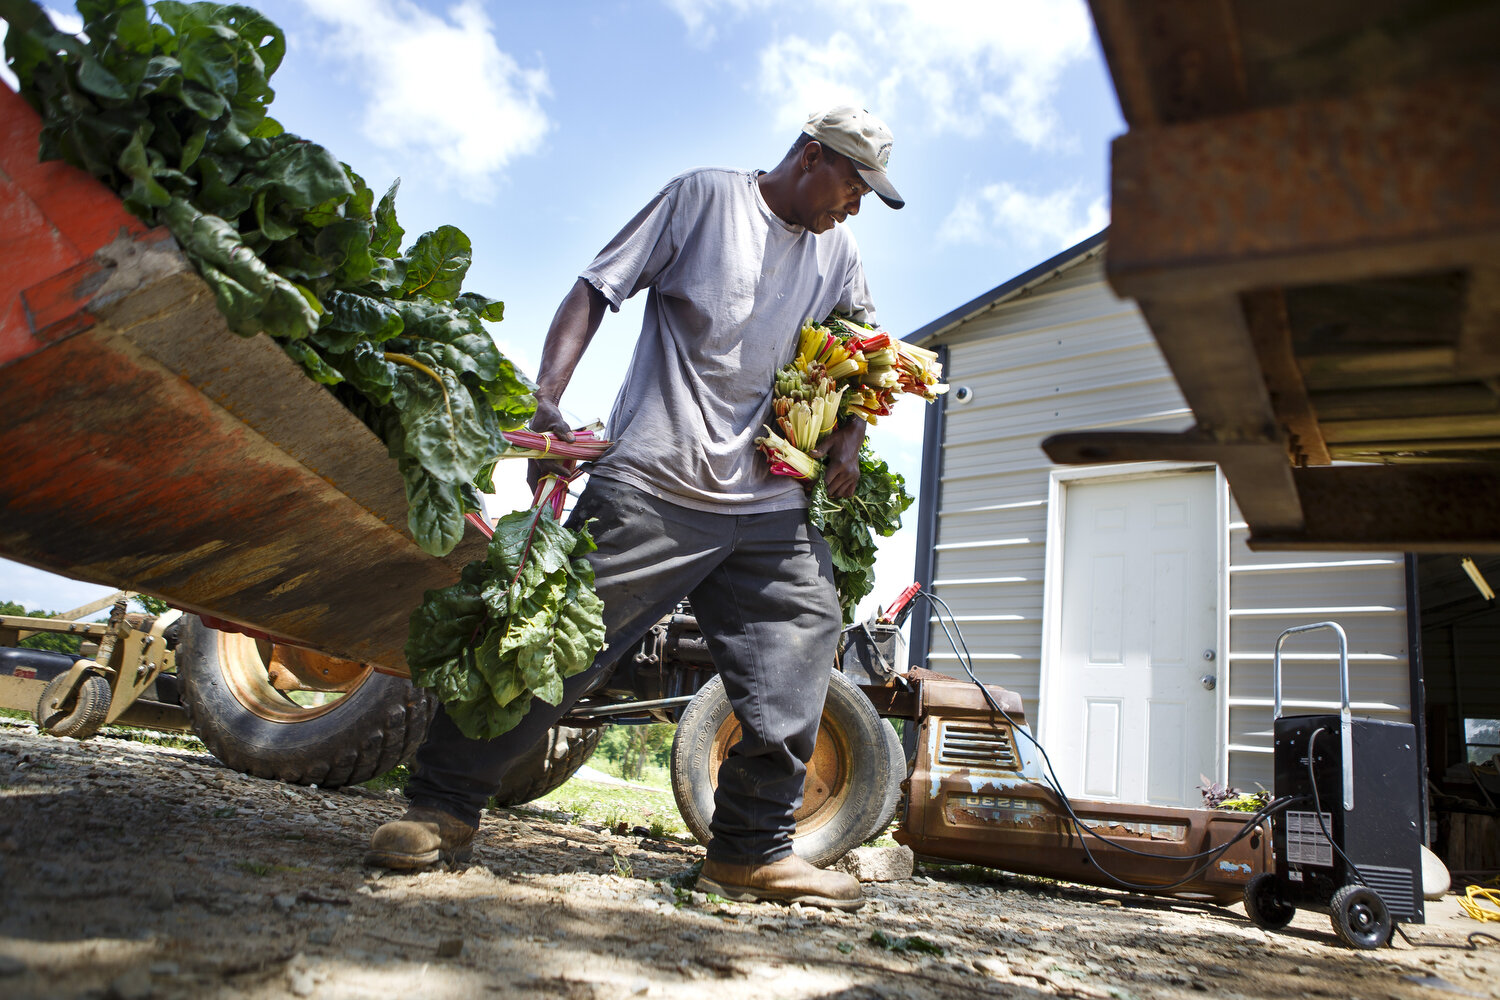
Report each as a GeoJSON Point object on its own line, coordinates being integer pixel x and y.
{"type": "Point", "coordinates": [978, 747]}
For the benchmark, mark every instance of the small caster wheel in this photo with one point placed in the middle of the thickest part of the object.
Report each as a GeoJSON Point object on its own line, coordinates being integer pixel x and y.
{"type": "Point", "coordinates": [1360, 917]}
{"type": "Point", "coordinates": [79, 716]}
{"type": "Point", "coordinates": [1265, 905]}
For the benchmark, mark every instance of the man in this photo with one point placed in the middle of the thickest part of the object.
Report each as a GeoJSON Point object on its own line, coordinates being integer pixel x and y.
{"type": "Point", "coordinates": [683, 504]}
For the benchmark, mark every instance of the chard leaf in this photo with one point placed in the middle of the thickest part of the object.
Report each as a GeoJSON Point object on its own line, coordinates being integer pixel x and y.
{"type": "Point", "coordinates": [304, 173]}
{"type": "Point", "coordinates": [365, 368]}
{"type": "Point", "coordinates": [543, 624]}
{"type": "Point", "coordinates": [442, 426]}
{"type": "Point", "coordinates": [481, 305]}
{"type": "Point", "coordinates": [270, 225]}
{"type": "Point", "coordinates": [373, 319]}
{"type": "Point", "coordinates": [320, 371]}
{"type": "Point", "coordinates": [436, 264]}
{"type": "Point", "coordinates": [504, 678]}
{"type": "Point", "coordinates": [434, 513]}
{"type": "Point", "coordinates": [94, 78]}
{"type": "Point", "coordinates": [136, 164]}
{"type": "Point", "coordinates": [385, 241]}
{"type": "Point", "coordinates": [345, 245]}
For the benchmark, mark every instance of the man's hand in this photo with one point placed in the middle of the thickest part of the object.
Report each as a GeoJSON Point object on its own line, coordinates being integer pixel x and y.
{"type": "Point", "coordinates": [548, 418]}
{"type": "Point", "coordinates": [841, 449]}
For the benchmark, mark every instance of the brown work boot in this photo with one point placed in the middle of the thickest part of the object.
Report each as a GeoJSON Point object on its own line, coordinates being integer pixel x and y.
{"type": "Point", "coordinates": [423, 837]}
{"type": "Point", "coordinates": [790, 880]}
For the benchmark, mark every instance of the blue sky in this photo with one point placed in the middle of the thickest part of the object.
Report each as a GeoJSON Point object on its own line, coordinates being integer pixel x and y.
{"type": "Point", "coordinates": [540, 128]}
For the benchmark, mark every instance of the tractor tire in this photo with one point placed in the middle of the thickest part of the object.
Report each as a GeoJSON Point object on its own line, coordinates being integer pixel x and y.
{"type": "Point", "coordinates": [80, 716]}
{"type": "Point", "coordinates": [548, 765]}
{"type": "Point", "coordinates": [377, 723]}
{"type": "Point", "coordinates": [850, 794]}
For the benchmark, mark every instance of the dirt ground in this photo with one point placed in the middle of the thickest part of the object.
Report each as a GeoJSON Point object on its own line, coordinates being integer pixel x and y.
{"type": "Point", "coordinates": [129, 871]}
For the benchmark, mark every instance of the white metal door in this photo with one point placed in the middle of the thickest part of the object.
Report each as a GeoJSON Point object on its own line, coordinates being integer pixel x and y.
{"type": "Point", "coordinates": [1128, 715]}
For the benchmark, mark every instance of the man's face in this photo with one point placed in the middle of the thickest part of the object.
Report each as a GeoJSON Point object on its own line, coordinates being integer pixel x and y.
{"type": "Point", "coordinates": [831, 189]}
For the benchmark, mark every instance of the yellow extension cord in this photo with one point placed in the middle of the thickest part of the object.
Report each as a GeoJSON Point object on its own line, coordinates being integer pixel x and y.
{"type": "Point", "coordinates": [1471, 903]}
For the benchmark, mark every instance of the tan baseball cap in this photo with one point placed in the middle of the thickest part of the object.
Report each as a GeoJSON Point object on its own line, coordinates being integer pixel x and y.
{"type": "Point", "coordinates": [863, 138]}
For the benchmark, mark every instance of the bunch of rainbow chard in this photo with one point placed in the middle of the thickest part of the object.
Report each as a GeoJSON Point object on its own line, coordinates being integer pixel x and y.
{"type": "Point", "coordinates": [841, 369]}
{"type": "Point", "coordinates": [845, 370]}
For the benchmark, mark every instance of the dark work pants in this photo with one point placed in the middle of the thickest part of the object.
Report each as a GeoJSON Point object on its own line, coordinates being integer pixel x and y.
{"type": "Point", "coordinates": [762, 588]}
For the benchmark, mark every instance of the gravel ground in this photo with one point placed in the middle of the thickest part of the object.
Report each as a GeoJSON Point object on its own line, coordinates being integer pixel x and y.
{"type": "Point", "coordinates": [133, 871]}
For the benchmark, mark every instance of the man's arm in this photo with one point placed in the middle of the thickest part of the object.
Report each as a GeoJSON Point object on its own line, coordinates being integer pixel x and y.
{"type": "Point", "coordinates": [573, 327]}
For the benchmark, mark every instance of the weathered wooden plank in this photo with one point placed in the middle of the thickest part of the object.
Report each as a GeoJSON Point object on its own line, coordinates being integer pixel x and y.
{"type": "Point", "coordinates": [1392, 180]}
{"type": "Point", "coordinates": [148, 448]}
{"type": "Point", "coordinates": [1257, 471]}
{"type": "Point", "coordinates": [1393, 401]}
{"type": "Point", "coordinates": [1479, 335]}
{"type": "Point", "coordinates": [1171, 60]}
{"type": "Point", "coordinates": [1271, 335]}
{"type": "Point", "coordinates": [1396, 366]}
{"type": "Point", "coordinates": [1208, 347]}
{"type": "Point", "coordinates": [1429, 508]}
{"type": "Point", "coordinates": [1398, 427]}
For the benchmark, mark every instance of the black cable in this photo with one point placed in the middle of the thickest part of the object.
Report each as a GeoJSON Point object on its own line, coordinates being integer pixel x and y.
{"type": "Point", "coordinates": [1317, 807]}
{"type": "Point", "coordinates": [1318, 812]}
{"type": "Point", "coordinates": [1049, 779]}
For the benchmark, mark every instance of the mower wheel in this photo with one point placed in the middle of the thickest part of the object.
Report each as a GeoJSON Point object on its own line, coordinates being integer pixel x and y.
{"type": "Point", "coordinates": [853, 780]}
{"type": "Point", "coordinates": [1264, 904]}
{"type": "Point", "coordinates": [1360, 917]}
{"type": "Point", "coordinates": [80, 716]}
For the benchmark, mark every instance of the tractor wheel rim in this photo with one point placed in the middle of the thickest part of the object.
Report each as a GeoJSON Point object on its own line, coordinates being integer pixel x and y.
{"type": "Point", "coordinates": [828, 784]}
{"type": "Point", "coordinates": [246, 662]}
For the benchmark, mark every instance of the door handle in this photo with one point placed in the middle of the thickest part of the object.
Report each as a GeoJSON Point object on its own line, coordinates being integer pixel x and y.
{"type": "Point", "coordinates": [1209, 681]}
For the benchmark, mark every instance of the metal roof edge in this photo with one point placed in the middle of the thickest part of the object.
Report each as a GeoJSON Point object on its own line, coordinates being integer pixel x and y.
{"type": "Point", "coordinates": [1015, 286]}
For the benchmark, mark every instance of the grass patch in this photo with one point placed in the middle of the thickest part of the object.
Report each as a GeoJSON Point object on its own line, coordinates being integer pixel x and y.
{"type": "Point", "coordinates": [395, 778]}
{"type": "Point", "coordinates": [657, 776]}
{"type": "Point", "coordinates": [919, 945]}
{"type": "Point", "coordinates": [610, 805]}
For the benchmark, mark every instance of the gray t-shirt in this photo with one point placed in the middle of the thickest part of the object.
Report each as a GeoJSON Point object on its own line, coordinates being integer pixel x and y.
{"type": "Point", "coordinates": [730, 287]}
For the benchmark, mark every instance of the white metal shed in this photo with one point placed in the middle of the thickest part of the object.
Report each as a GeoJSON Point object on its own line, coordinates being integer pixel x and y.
{"type": "Point", "coordinates": [1121, 602]}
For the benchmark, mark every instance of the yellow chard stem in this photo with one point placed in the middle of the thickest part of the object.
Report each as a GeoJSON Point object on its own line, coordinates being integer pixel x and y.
{"type": "Point", "coordinates": [407, 359]}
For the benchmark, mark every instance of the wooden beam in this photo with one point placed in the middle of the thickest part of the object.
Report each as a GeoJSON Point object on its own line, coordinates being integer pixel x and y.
{"type": "Point", "coordinates": [1171, 60]}
{"type": "Point", "coordinates": [1209, 349]}
{"type": "Point", "coordinates": [1428, 508]}
{"type": "Point", "coordinates": [1257, 471]}
{"type": "Point", "coordinates": [1479, 334]}
{"type": "Point", "coordinates": [1380, 402]}
{"type": "Point", "coordinates": [1391, 180]}
{"type": "Point", "coordinates": [1398, 427]}
{"type": "Point", "coordinates": [1350, 368]}
{"type": "Point", "coordinates": [1271, 335]}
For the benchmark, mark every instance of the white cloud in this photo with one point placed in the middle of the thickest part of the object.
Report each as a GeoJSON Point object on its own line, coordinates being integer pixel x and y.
{"type": "Point", "coordinates": [697, 14]}
{"type": "Point", "coordinates": [440, 88]}
{"type": "Point", "coordinates": [957, 66]}
{"type": "Point", "coordinates": [1003, 214]}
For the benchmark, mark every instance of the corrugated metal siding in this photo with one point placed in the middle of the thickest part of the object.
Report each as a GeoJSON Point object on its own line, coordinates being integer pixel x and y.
{"type": "Point", "coordinates": [1271, 591]}
{"type": "Point", "coordinates": [1069, 355]}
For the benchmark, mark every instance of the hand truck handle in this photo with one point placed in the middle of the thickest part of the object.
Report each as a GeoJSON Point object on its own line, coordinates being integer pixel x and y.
{"type": "Point", "coordinates": [1346, 731]}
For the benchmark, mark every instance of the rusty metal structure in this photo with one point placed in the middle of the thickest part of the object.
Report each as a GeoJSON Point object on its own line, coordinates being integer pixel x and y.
{"type": "Point", "coordinates": [1306, 208]}
{"type": "Point", "coordinates": [976, 795]}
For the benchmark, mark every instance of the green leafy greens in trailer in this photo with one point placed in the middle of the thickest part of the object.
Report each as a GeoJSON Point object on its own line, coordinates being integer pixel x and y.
{"type": "Point", "coordinates": [171, 113]}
